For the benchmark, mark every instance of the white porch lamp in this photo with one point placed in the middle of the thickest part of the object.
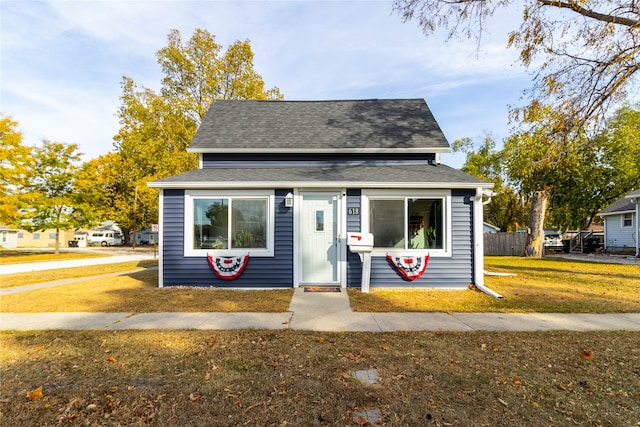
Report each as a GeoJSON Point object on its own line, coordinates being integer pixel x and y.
{"type": "Point", "coordinates": [288, 200]}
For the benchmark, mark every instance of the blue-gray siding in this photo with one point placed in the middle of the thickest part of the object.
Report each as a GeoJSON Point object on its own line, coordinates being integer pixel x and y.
{"type": "Point", "coordinates": [619, 238]}
{"type": "Point", "coordinates": [277, 271]}
{"type": "Point", "coordinates": [264, 160]}
{"type": "Point", "coordinates": [267, 272]}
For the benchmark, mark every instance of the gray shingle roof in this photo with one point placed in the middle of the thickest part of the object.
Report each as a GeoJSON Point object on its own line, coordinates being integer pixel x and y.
{"type": "Point", "coordinates": [623, 204]}
{"type": "Point", "coordinates": [416, 176]}
{"type": "Point", "coordinates": [319, 126]}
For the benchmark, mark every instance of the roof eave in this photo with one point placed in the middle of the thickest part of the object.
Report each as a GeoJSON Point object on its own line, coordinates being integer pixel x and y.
{"type": "Point", "coordinates": [320, 150]}
{"type": "Point", "coordinates": [615, 212]}
{"type": "Point", "coordinates": [316, 184]}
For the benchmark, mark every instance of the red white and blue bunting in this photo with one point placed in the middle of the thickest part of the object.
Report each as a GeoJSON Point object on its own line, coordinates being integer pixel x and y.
{"type": "Point", "coordinates": [228, 267]}
{"type": "Point", "coordinates": [411, 267]}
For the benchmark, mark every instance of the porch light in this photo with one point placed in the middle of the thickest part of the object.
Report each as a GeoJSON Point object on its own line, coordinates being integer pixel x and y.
{"type": "Point", "coordinates": [288, 200]}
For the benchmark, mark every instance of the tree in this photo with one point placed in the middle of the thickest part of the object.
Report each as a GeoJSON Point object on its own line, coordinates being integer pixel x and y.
{"type": "Point", "coordinates": [51, 192]}
{"type": "Point", "coordinates": [541, 159]}
{"type": "Point", "coordinates": [505, 209]}
{"type": "Point", "coordinates": [156, 128]}
{"type": "Point", "coordinates": [585, 53]}
{"type": "Point", "coordinates": [15, 161]}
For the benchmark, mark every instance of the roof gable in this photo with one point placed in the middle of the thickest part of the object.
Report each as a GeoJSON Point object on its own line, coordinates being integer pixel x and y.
{"type": "Point", "coordinates": [350, 126]}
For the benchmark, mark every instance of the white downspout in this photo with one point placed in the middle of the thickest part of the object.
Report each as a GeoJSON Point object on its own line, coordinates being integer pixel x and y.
{"type": "Point", "coordinates": [637, 219]}
{"type": "Point", "coordinates": [478, 237]}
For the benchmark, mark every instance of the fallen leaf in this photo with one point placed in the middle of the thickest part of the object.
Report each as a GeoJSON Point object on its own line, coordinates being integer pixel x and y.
{"type": "Point", "coordinates": [275, 364]}
{"type": "Point", "coordinates": [503, 402]}
{"type": "Point", "coordinates": [362, 421]}
{"type": "Point", "coordinates": [207, 376]}
{"type": "Point", "coordinates": [321, 340]}
{"type": "Point", "coordinates": [194, 396]}
{"type": "Point", "coordinates": [111, 359]}
{"type": "Point", "coordinates": [35, 394]}
{"type": "Point", "coordinates": [561, 386]}
{"type": "Point", "coordinates": [385, 347]}
{"type": "Point", "coordinates": [637, 397]}
{"type": "Point", "coordinates": [113, 389]}
{"type": "Point", "coordinates": [495, 349]}
{"type": "Point", "coordinates": [587, 354]}
{"type": "Point", "coordinates": [517, 381]}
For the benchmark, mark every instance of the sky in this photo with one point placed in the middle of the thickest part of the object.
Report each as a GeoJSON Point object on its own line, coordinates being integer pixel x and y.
{"type": "Point", "coordinates": [62, 61]}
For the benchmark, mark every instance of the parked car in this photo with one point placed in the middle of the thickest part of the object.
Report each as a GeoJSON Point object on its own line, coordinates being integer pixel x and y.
{"type": "Point", "coordinates": [553, 242]}
{"type": "Point", "coordinates": [105, 238]}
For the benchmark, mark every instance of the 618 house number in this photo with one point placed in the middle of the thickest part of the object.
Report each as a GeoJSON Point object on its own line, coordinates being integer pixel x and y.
{"type": "Point", "coordinates": [353, 211]}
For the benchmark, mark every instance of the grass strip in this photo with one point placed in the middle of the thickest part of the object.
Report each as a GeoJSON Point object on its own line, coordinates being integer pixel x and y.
{"type": "Point", "coordinates": [33, 277]}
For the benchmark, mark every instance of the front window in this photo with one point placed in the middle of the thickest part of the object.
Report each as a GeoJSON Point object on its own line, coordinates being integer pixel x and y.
{"type": "Point", "coordinates": [627, 220]}
{"type": "Point", "coordinates": [408, 223]}
{"type": "Point", "coordinates": [228, 223]}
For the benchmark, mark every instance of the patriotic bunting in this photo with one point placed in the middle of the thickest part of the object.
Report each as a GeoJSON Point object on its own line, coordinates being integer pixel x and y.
{"type": "Point", "coordinates": [228, 267]}
{"type": "Point", "coordinates": [410, 267]}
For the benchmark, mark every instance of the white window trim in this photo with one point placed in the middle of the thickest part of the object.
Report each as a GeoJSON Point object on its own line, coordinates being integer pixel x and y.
{"type": "Point", "coordinates": [623, 217]}
{"type": "Point", "coordinates": [236, 194]}
{"type": "Point", "coordinates": [445, 195]}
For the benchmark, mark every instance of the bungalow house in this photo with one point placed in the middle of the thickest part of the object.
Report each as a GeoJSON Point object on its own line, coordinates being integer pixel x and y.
{"type": "Point", "coordinates": [621, 225]}
{"type": "Point", "coordinates": [288, 183]}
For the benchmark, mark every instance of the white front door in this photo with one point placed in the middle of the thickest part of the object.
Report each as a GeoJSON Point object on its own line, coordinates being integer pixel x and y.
{"type": "Point", "coordinates": [318, 237]}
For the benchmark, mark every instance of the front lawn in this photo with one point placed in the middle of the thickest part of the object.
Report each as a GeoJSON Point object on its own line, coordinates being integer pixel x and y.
{"type": "Point", "coordinates": [297, 378]}
{"type": "Point", "coordinates": [549, 286]}
{"type": "Point", "coordinates": [545, 286]}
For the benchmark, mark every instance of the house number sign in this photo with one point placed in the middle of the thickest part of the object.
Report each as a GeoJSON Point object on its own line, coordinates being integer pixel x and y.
{"type": "Point", "coordinates": [353, 211]}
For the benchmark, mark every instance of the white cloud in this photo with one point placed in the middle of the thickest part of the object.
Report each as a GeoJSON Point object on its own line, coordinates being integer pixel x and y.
{"type": "Point", "coordinates": [62, 61]}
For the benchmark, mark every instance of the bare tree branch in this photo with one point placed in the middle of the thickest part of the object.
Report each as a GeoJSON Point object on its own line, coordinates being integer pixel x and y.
{"type": "Point", "coordinates": [576, 7]}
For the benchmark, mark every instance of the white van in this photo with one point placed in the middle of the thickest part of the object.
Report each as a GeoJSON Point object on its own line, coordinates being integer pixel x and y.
{"type": "Point", "coordinates": [105, 238]}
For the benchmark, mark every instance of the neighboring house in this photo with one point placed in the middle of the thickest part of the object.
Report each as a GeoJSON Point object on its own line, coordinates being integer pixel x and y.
{"type": "Point", "coordinates": [621, 228]}
{"type": "Point", "coordinates": [8, 237]}
{"type": "Point", "coordinates": [43, 238]}
{"type": "Point", "coordinates": [288, 182]}
{"type": "Point", "coordinates": [143, 237]}
{"type": "Point", "coordinates": [490, 228]}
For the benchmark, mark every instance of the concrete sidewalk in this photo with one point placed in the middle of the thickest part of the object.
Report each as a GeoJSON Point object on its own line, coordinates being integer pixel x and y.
{"type": "Point", "coordinates": [324, 311]}
{"type": "Point", "coordinates": [81, 262]}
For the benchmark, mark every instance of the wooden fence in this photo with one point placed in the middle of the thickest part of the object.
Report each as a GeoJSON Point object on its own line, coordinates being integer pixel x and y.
{"type": "Point", "coordinates": [505, 243]}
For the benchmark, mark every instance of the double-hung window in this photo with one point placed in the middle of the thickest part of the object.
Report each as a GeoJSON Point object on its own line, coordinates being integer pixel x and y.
{"type": "Point", "coordinates": [627, 220]}
{"type": "Point", "coordinates": [417, 221]}
{"type": "Point", "coordinates": [228, 223]}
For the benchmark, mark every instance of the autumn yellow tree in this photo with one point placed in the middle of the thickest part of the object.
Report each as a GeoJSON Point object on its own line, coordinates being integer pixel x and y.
{"type": "Point", "coordinates": [15, 161]}
{"type": "Point", "coordinates": [156, 128]}
{"type": "Point", "coordinates": [584, 54]}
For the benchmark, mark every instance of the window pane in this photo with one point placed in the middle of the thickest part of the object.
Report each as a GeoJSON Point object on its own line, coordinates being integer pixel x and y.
{"type": "Point", "coordinates": [386, 222]}
{"type": "Point", "coordinates": [210, 224]}
{"type": "Point", "coordinates": [425, 223]}
{"type": "Point", "coordinates": [249, 223]}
